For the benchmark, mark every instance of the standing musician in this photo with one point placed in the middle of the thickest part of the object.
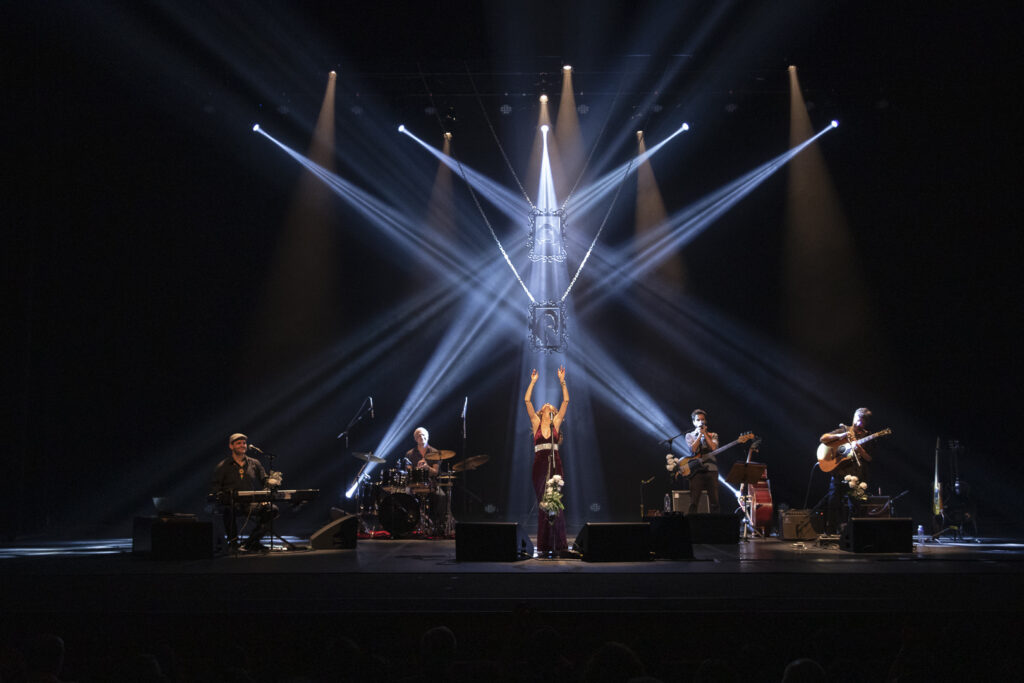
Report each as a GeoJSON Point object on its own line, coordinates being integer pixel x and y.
{"type": "Point", "coordinates": [547, 462]}
{"type": "Point", "coordinates": [835, 515]}
{"type": "Point", "coordinates": [704, 477]}
{"type": "Point", "coordinates": [240, 472]}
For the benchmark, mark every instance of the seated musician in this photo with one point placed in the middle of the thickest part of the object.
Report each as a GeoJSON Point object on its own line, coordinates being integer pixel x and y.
{"type": "Point", "coordinates": [836, 514]}
{"type": "Point", "coordinates": [704, 477]}
{"type": "Point", "coordinates": [419, 454]}
{"type": "Point", "coordinates": [240, 472]}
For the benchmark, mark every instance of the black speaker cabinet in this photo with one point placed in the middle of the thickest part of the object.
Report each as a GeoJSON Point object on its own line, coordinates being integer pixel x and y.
{"type": "Point", "coordinates": [491, 542]}
{"type": "Point", "coordinates": [338, 534]}
{"type": "Point", "coordinates": [714, 528]}
{"type": "Point", "coordinates": [878, 535]}
{"type": "Point", "coordinates": [797, 526]}
{"type": "Point", "coordinates": [172, 538]}
{"type": "Point", "coordinates": [614, 542]}
{"type": "Point", "coordinates": [681, 502]}
{"type": "Point", "coordinates": [670, 538]}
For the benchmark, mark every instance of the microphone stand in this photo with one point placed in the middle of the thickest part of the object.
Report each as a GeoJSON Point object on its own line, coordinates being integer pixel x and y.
{"type": "Point", "coordinates": [643, 483]}
{"type": "Point", "coordinates": [273, 494]}
{"type": "Point", "coordinates": [465, 476]}
{"type": "Point", "coordinates": [356, 419]}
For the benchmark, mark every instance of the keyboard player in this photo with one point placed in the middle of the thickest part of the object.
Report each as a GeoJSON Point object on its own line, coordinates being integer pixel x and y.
{"type": "Point", "coordinates": [240, 472]}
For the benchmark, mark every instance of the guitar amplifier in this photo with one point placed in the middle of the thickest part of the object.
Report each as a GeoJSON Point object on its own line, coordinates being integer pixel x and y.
{"type": "Point", "coordinates": [876, 506]}
{"type": "Point", "coordinates": [797, 525]}
{"type": "Point", "coordinates": [681, 502]}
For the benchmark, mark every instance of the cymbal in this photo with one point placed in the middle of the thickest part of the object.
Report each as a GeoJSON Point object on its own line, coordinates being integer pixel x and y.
{"type": "Point", "coordinates": [440, 455]}
{"type": "Point", "coordinates": [368, 457]}
{"type": "Point", "coordinates": [470, 463]}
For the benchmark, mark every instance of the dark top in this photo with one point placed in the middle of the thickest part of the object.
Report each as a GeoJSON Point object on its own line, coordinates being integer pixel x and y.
{"type": "Point", "coordinates": [228, 476]}
{"type": "Point", "coordinates": [850, 466]}
{"type": "Point", "coordinates": [709, 463]}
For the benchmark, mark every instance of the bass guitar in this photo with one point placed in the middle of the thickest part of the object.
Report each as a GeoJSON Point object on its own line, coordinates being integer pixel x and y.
{"type": "Point", "coordinates": [832, 455]}
{"type": "Point", "coordinates": [691, 464]}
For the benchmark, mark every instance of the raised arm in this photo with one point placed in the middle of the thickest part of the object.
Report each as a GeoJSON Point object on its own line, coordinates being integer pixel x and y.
{"type": "Point", "coordinates": [534, 420]}
{"type": "Point", "coordinates": [565, 398]}
{"type": "Point", "coordinates": [841, 434]}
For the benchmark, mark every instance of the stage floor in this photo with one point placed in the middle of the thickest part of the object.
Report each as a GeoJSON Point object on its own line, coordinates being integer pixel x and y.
{"type": "Point", "coordinates": [422, 576]}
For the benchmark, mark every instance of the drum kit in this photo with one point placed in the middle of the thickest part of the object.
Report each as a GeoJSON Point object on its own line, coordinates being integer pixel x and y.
{"type": "Point", "coordinates": [411, 502]}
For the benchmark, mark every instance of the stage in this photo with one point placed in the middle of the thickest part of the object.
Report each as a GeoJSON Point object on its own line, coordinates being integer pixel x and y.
{"type": "Point", "coordinates": [758, 603]}
{"type": "Point", "coordinates": [423, 576]}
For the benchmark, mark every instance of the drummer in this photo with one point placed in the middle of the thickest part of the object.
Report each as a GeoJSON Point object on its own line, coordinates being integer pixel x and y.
{"type": "Point", "coordinates": [424, 455]}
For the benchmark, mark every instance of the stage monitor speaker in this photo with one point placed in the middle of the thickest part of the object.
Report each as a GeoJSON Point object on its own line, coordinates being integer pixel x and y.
{"type": "Point", "coordinates": [338, 534]}
{"type": "Point", "coordinates": [172, 538]}
{"type": "Point", "coordinates": [491, 542]}
{"type": "Point", "coordinates": [614, 542]}
{"type": "Point", "coordinates": [797, 526]}
{"type": "Point", "coordinates": [681, 502]}
{"type": "Point", "coordinates": [878, 535]}
{"type": "Point", "coordinates": [670, 538]}
{"type": "Point", "coordinates": [713, 529]}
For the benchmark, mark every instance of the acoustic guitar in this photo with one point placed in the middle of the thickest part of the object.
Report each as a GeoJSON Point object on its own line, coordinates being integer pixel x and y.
{"type": "Point", "coordinates": [831, 456]}
{"type": "Point", "coordinates": [691, 464]}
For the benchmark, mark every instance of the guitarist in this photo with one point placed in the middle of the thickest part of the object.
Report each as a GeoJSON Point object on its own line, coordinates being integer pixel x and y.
{"type": "Point", "coordinates": [703, 475]}
{"type": "Point", "coordinates": [859, 467]}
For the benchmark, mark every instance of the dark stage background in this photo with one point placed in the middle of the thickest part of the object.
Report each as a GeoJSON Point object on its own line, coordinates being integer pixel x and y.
{"type": "Point", "coordinates": [143, 220]}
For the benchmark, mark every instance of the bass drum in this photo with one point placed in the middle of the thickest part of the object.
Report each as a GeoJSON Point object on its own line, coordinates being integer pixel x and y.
{"type": "Point", "coordinates": [399, 514]}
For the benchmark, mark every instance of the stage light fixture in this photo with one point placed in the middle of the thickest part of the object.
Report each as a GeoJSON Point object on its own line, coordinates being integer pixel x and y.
{"type": "Point", "coordinates": [543, 98]}
{"type": "Point", "coordinates": [333, 74]}
{"type": "Point", "coordinates": [639, 134]}
{"type": "Point", "coordinates": [835, 124]}
{"type": "Point", "coordinates": [256, 128]}
{"type": "Point", "coordinates": [566, 68]}
{"type": "Point", "coordinates": [544, 129]}
{"type": "Point", "coordinates": [792, 67]}
{"type": "Point", "coordinates": [685, 126]}
{"type": "Point", "coordinates": [401, 128]}
{"type": "Point", "coordinates": [447, 135]}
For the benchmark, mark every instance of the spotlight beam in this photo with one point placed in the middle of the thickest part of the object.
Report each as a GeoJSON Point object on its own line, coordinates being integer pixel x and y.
{"type": "Point", "coordinates": [504, 200]}
{"type": "Point", "coordinates": [654, 246]}
{"type": "Point", "coordinates": [586, 198]}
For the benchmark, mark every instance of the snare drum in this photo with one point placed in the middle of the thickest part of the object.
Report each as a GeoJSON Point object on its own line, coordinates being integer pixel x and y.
{"type": "Point", "coordinates": [394, 480]}
{"type": "Point", "coordinates": [421, 481]}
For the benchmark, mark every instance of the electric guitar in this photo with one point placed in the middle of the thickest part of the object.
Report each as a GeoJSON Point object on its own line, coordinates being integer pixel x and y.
{"type": "Point", "coordinates": [831, 456]}
{"type": "Point", "coordinates": [691, 464]}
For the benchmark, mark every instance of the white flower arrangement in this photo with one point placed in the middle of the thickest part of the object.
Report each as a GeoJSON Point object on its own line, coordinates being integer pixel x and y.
{"type": "Point", "coordinates": [551, 501]}
{"type": "Point", "coordinates": [858, 490]}
{"type": "Point", "coordinates": [671, 462]}
{"type": "Point", "coordinates": [274, 478]}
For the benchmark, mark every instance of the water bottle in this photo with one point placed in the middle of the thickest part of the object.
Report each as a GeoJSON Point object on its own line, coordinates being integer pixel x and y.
{"type": "Point", "coordinates": [668, 502]}
{"type": "Point", "coordinates": [920, 533]}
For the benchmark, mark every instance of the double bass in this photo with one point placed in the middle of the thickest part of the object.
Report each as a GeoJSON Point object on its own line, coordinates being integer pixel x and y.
{"type": "Point", "coordinates": [760, 496]}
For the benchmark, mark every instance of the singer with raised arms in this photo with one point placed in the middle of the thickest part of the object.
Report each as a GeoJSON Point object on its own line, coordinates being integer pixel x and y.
{"type": "Point", "coordinates": [547, 463]}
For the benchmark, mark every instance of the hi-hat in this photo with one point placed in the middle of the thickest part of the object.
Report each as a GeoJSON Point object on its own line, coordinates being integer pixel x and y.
{"type": "Point", "coordinates": [440, 455]}
{"type": "Point", "coordinates": [470, 463]}
{"type": "Point", "coordinates": [368, 457]}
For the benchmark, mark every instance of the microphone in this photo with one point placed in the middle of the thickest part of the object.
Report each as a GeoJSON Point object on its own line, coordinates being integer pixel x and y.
{"type": "Point", "coordinates": [371, 409]}
{"type": "Point", "coordinates": [255, 448]}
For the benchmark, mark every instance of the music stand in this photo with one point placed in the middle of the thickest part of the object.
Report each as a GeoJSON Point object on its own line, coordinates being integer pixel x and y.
{"type": "Point", "coordinates": [744, 474]}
